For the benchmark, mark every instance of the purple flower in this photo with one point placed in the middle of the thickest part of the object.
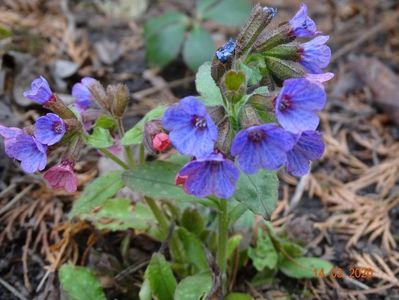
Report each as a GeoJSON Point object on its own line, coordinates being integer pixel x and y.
{"type": "Point", "coordinates": [319, 79]}
{"type": "Point", "coordinates": [49, 129]}
{"type": "Point", "coordinates": [9, 134]}
{"type": "Point", "coordinates": [213, 175]}
{"type": "Point", "coordinates": [62, 176]}
{"type": "Point", "coordinates": [81, 93]}
{"type": "Point", "coordinates": [40, 91]}
{"type": "Point", "coordinates": [226, 51]}
{"type": "Point", "coordinates": [298, 103]}
{"type": "Point", "coordinates": [192, 130]}
{"type": "Point", "coordinates": [309, 146]}
{"type": "Point", "coordinates": [29, 152]}
{"type": "Point", "coordinates": [301, 24]}
{"type": "Point", "coordinates": [263, 146]}
{"type": "Point", "coordinates": [315, 54]}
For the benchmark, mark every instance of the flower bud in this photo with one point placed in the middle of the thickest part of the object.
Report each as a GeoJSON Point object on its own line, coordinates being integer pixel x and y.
{"type": "Point", "coordinates": [284, 69]}
{"type": "Point", "coordinates": [152, 129]}
{"type": "Point", "coordinates": [161, 142]}
{"type": "Point", "coordinates": [249, 117]}
{"type": "Point", "coordinates": [226, 135]}
{"type": "Point", "coordinates": [218, 69]}
{"type": "Point", "coordinates": [56, 105]}
{"type": "Point", "coordinates": [291, 51]}
{"type": "Point", "coordinates": [269, 40]}
{"type": "Point", "coordinates": [100, 96]}
{"type": "Point", "coordinates": [234, 85]}
{"type": "Point", "coordinates": [260, 17]}
{"type": "Point", "coordinates": [120, 96]}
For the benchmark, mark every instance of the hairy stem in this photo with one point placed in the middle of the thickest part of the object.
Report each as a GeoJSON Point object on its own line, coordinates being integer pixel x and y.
{"type": "Point", "coordinates": [223, 224]}
{"type": "Point", "coordinates": [114, 158]}
{"type": "Point", "coordinates": [128, 150]}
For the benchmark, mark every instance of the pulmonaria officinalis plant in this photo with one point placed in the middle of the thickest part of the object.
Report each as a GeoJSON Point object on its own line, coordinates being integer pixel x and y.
{"type": "Point", "coordinates": [256, 112]}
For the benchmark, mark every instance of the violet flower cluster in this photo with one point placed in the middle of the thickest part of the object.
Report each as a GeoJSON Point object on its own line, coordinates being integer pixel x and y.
{"type": "Point", "coordinates": [31, 145]}
{"type": "Point", "coordinates": [291, 141]}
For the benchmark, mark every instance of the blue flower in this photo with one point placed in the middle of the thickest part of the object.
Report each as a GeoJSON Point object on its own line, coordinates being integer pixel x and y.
{"type": "Point", "coordinates": [263, 146]}
{"type": "Point", "coordinates": [298, 103]}
{"type": "Point", "coordinates": [309, 146]}
{"type": "Point", "coordinates": [226, 51]}
{"type": "Point", "coordinates": [40, 91]}
{"type": "Point", "coordinates": [192, 131]}
{"type": "Point", "coordinates": [319, 79]}
{"type": "Point", "coordinates": [29, 152]}
{"type": "Point", "coordinates": [49, 129]}
{"type": "Point", "coordinates": [9, 135]}
{"type": "Point", "coordinates": [315, 54]}
{"type": "Point", "coordinates": [213, 175]}
{"type": "Point", "coordinates": [82, 94]}
{"type": "Point", "coordinates": [302, 25]}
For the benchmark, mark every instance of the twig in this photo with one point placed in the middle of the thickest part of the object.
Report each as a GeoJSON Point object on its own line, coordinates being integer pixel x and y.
{"type": "Point", "coordinates": [16, 199]}
{"type": "Point", "coordinates": [131, 269]}
{"type": "Point", "coordinates": [25, 260]}
{"type": "Point", "coordinates": [12, 290]}
{"type": "Point", "coordinates": [387, 23]}
{"type": "Point", "coordinates": [7, 190]}
{"type": "Point", "coordinates": [175, 83]}
{"type": "Point", "coordinates": [300, 188]}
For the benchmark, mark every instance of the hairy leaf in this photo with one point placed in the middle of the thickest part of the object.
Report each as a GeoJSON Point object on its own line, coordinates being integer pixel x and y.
{"type": "Point", "coordinates": [206, 86]}
{"type": "Point", "coordinates": [228, 12]}
{"type": "Point", "coordinates": [194, 287]}
{"type": "Point", "coordinates": [100, 138]}
{"type": "Point", "coordinates": [304, 267]}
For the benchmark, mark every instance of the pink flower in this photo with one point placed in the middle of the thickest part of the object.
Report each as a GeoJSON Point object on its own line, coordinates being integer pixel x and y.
{"type": "Point", "coordinates": [161, 142]}
{"type": "Point", "coordinates": [62, 176]}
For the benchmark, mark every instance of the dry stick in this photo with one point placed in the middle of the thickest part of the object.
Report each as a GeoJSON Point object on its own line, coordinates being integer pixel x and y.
{"type": "Point", "coordinates": [300, 188]}
{"type": "Point", "coordinates": [25, 260]}
{"type": "Point", "coordinates": [146, 92]}
{"type": "Point", "coordinates": [7, 190]}
{"type": "Point", "coordinates": [386, 24]}
{"type": "Point", "coordinates": [12, 290]}
{"type": "Point", "coordinates": [16, 199]}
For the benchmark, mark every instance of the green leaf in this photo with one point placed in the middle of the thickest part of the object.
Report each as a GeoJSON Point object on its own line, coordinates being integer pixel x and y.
{"type": "Point", "coordinates": [304, 267]}
{"type": "Point", "coordinates": [80, 283]}
{"type": "Point", "coordinates": [194, 287]}
{"type": "Point", "coordinates": [97, 192]}
{"type": "Point", "coordinates": [100, 138]}
{"type": "Point", "coordinates": [105, 121]}
{"type": "Point", "coordinates": [192, 220]}
{"type": "Point", "coordinates": [232, 244]}
{"type": "Point", "coordinates": [162, 281]}
{"type": "Point", "coordinates": [238, 296]}
{"type": "Point", "coordinates": [259, 192]}
{"type": "Point", "coordinates": [194, 249]}
{"type": "Point", "coordinates": [206, 86]}
{"type": "Point", "coordinates": [134, 135]}
{"type": "Point", "coordinates": [228, 12]}
{"type": "Point", "coordinates": [145, 291]}
{"type": "Point", "coordinates": [115, 214]}
{"type": "Point", "coordinates": [204, 5]}
{"type": "Point", "coordinates": [164, 36]}
{"type": "Point", "coordinates": [198, 48]}
{"type": "Point", "coordinates": [157, 180]}
{"type": "Point", "coordinates": [264, 255]}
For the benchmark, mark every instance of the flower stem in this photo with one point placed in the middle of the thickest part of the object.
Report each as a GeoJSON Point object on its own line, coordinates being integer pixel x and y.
{"type": "Point", "coordinates": [223, 223]}
{"type": "Point", "coordinates": [114, 158]}
{"type": "Point", "coordinates": [163, 224]}
{"type": "Point", "coordinates": [128, 150]}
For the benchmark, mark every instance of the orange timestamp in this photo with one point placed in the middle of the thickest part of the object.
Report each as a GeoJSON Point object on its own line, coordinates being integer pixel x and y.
{"type": "Point", "coordinates": [338, 273]}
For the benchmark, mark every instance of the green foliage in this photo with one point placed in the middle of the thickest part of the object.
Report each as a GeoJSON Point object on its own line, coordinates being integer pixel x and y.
{"type": "Point", "coordinates": [194, 287]}
{"type": "Point", "coordinates": [165, 34]}
{"type": "Point", "coordinates": [100, 138]}
{"type": "Point", "coordinates": [134, 135]}
{"type": "Point", "coordinates": [275, 252]}
{"type": "Point", "coordinates": [193, 221]}
{"type": "Point", "coordinates": [225, 12]}
{"type": "Point", "coordinates": [160, 277]}
{"type": "Point", "coordinates": [264, 255]}
{"type": "Point", "coordinates": [304, 267]}
{"type": "Point", "coordinates": [105, 121]}
{"type": "Point", "coordinates": [5, 32]}
{"type": "Point", "coordinates": [97, 192]}
{"type": "Point", "coordinates": [157, 180]}
{"type": "Point", "coordinates": [232, 244]}
{"type": "Point", "coordinates": [206, 86]}
{"type": "Point", "coordinates": [198, 48]}
{"type": "Point", "coordinates": [238, 296]}
{"type": "Point", "coordinates": [80, 283]}
{"type": "Point", "coordinates": [258, 192]}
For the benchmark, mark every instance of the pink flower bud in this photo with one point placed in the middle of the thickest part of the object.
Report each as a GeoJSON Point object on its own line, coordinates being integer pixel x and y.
{"type": "Point", "coordinates": [62, 176]}
{"type": "Point", "coordinates": [161, 142]}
